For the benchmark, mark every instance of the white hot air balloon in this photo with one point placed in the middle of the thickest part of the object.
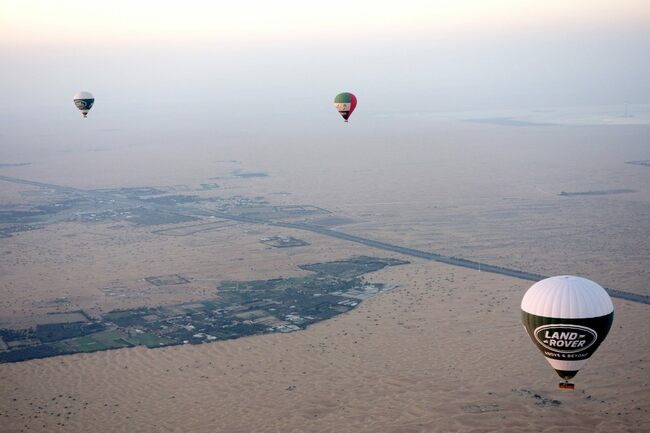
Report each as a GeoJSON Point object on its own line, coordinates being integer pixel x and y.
{"type": "Point", "coordinates": [567, 318]}
{"type": "Point", "coordinates": [84, 102]}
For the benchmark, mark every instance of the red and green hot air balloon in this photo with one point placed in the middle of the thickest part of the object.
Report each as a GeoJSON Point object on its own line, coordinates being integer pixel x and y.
{"type": "Point", "coordinates": [345, 103]}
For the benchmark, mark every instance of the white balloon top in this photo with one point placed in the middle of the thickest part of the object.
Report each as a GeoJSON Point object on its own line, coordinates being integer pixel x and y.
{"type": "Point", "coordinates": [567, 297]}
{"type": "Point", "coordinates": [84, 95]}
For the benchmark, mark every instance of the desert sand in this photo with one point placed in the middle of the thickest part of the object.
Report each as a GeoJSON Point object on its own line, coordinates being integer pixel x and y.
{"type": "Point", "coordinates": [99, 268]}
{"type": "Point", "coordinates": [443, 352]}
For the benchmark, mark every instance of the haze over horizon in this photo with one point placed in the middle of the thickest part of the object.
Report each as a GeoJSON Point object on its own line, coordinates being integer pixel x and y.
{"type": "Point", "coordinates": [257, 59]}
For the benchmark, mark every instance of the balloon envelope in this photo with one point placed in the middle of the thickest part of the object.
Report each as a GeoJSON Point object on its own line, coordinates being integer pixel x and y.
{"type": "Point", "coordinates": [345, 103]}
{"type": "Point", "coordinates": [84, 102]}
{"type": "Point", "coordinates": [567, 318]}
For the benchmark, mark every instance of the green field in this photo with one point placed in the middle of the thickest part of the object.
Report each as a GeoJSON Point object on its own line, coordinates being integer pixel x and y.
{"type": "Point", "coordinates": [94, 342]}
{"type": "Point", "coordinates": [149, 340]}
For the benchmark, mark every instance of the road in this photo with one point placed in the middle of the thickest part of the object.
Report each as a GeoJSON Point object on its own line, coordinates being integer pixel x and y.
{"type": "Point", "coordinates": [454, 261]}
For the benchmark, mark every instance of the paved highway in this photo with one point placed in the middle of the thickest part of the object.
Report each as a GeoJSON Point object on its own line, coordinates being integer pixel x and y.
{"type": "Point", "coordinates": [455, 261]}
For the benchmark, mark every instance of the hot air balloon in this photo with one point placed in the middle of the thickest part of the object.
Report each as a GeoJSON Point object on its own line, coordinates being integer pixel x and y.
{"type": "Point", "coordinates": [567, 318]}
{"type": "Point", "coordinates": [345, 104]}
{"type": "Point", "coordinates": [84, 102]}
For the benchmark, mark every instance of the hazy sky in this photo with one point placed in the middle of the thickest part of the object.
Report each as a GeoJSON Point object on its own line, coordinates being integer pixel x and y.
{"type": "Point", "coordinates": [258, 56]}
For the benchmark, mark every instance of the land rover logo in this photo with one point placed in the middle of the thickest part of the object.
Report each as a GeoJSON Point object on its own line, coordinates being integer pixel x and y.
{"type": "Point", "coordinates": [565, 338]}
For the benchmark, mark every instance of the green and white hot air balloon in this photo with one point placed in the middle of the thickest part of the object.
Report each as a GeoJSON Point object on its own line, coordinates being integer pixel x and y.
{"type": "Point", "coordinates": [567, 318]}
{"type": "Point", "coordinates": [84, 102]}
{"type": "Point", "coordinates": [345, 103]}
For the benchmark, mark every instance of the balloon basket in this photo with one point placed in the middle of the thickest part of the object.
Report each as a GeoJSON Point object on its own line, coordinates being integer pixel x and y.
{"type": "Point", "coordinates": [566, 385]}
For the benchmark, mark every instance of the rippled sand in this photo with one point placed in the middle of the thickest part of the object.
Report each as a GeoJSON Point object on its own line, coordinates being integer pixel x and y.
{"type": "Point", "coordinates": [444, 352]}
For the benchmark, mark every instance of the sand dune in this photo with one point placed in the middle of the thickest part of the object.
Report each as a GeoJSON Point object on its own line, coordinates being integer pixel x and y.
{"type": "Point", "coordinates": [444, 352]}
